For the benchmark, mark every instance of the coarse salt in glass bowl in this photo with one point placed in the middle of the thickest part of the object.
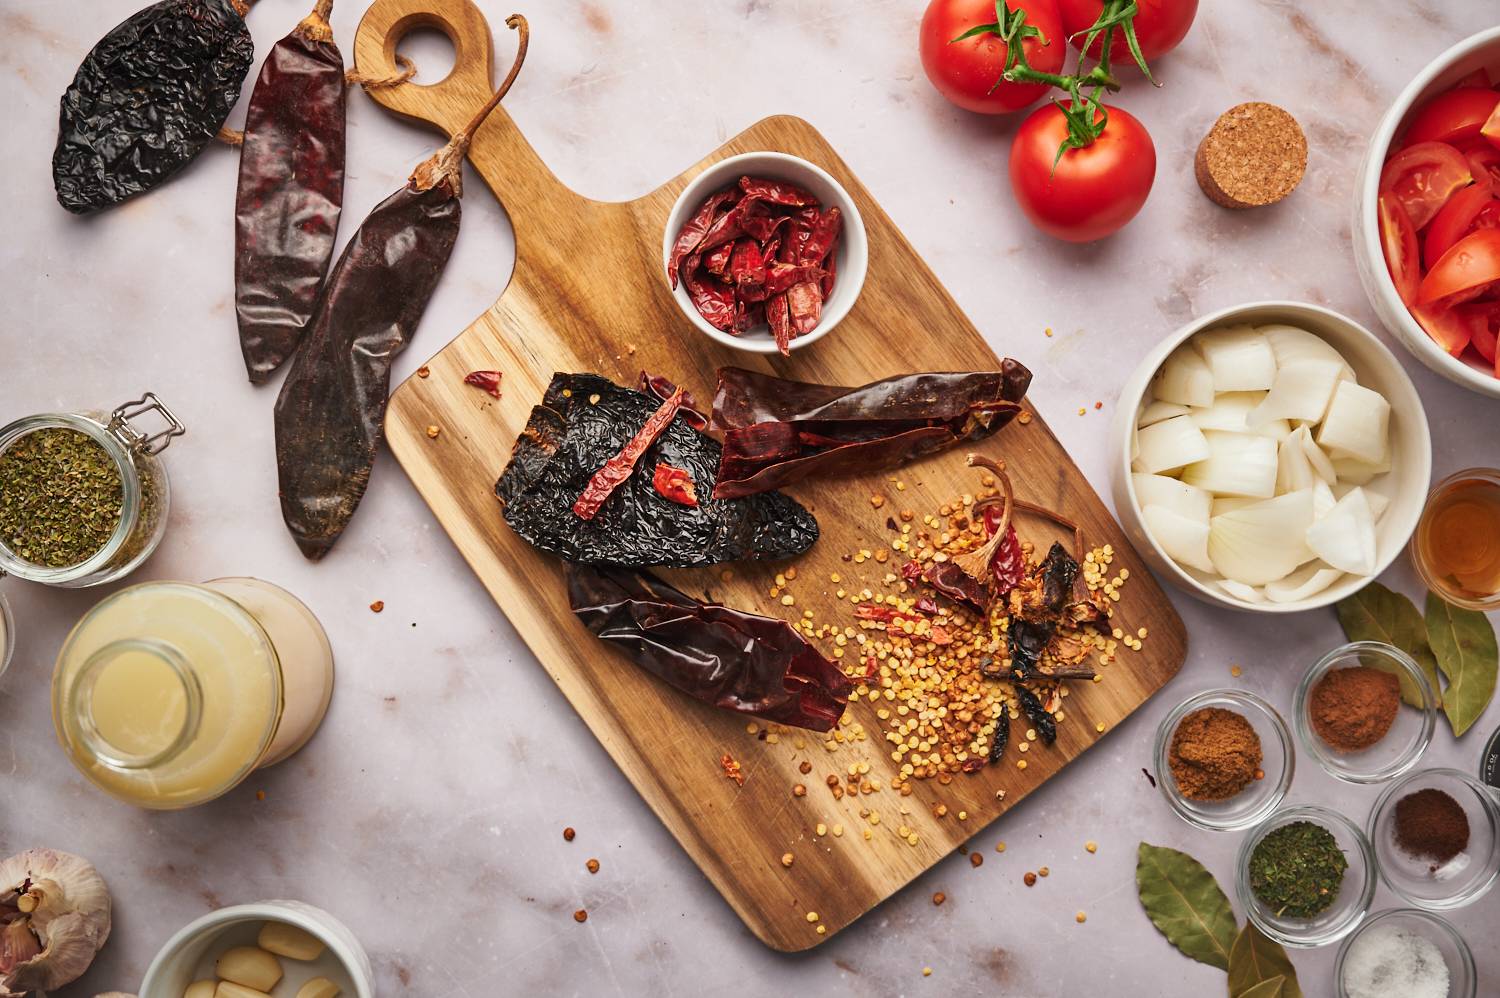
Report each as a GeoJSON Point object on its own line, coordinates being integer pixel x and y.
{"type": "Point", "coordinates": [1419, 880]}
{"type": "Point", "coordinates": [1401, 747]}
{"type": "Point", "coordinates": [1356, 890]}
{"type": "Point", "coordinates": [1257, 800]}
{"type": "Point", "coordinates": [1462, 977]}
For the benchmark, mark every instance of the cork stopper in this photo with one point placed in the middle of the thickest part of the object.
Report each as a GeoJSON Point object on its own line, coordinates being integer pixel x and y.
{"type": "Point", "coordinates": [1254, 155]}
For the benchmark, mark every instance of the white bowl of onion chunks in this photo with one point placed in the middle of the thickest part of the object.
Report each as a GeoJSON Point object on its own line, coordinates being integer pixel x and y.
{"type": "Point", "coordinates": [1273, 457]}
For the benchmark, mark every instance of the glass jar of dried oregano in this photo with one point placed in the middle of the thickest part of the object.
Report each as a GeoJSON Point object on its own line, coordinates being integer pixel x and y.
{"type": "Point", "coordinates": [83, 495]}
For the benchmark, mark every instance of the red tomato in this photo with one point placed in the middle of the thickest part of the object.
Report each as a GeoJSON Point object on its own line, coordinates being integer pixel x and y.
{"type": "Point", "coordinates": [1454, 220]}
{"type": "Point", "coordinates": [1484, 163]}
{"type": "Point", "coordinates": [1484, 327]}
{"type": "Point", "coordinates": [1159, 26]}
{"type": "Point", "coordinates": [1094, 190]}
{"type": "Point", "coordinates": [966, 72]}
{"type": "Point", "coordinates": [1399, 241]}
{"type": "Point", "coordinates": [1491, 127]}
{"type": "Point", "coordinates": [1478, 78]}
{"type": "Point", "coordinates": [1447, 329]}
{"type": "Point", "coordinates": [1452, 116]}
{"type": "Point", "coordinates": [1423, 176]}
{"type": "Point", "coordinates": [1464, 272]}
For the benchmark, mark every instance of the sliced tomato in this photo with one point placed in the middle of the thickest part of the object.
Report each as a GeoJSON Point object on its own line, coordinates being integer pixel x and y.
{"type": "Point", "coordinates": [1490, 130]}
{"type": "Point", "coordinates": [1484, 327]}
{"type": "Point", "coordinates": [1466, 271]}
{"type": "Point", "coordinates": [1452, 116]}
{"type": "Point", "coordinates": [1423, 177]}
{"type": "Point", "coordinates": [1454, 221]}
{"type": "Point", "coordinates": [1484, 162]}
{"type": "Point", "coordinates": [1446, 327]}
{"type": "Point", "coordinates": [1399, 240]}
{"type": "Point", "coordinates": [1479, 78]}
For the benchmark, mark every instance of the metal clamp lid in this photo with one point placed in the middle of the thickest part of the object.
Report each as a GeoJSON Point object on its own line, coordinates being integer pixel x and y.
{"type": "Point", "coordinates": [133, 437]}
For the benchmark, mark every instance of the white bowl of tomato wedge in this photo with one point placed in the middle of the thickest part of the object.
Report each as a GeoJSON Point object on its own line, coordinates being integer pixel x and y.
{"type": "Point", "coordinates": [1427, 218]}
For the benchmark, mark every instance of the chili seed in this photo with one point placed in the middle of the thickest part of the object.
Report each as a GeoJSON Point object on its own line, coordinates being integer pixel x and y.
{"type": "Point", "coordinates": [976, 859]}
{"type": "Point", "coordinates": [568, 834]}
{"type": "Point", "coordinates": [1029, 879]}
{"type": "Point", "coordinates": [939, 898]}
{"type": "Point", "coordinates": [377, 606]}
{"type": "Point", "coordinates": [787, 859]}
{"type": "Point", "coordinates": [581, 915]}
{"type": "Point", "coordinates": [593, 865]}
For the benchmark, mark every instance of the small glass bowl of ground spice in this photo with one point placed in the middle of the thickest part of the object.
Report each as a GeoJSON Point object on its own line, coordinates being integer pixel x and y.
{"type": "Point", "coordinates": [1365, 711]}
{"type": "Point", "coordinates": [1405, 953]}
{"type": "Point", "coordinates": [1224, 759]}
{"type": "Point", "coordinates": [1306, 876]}
{"type": "Point", "coordinates": [1436, 834]}
{"type": "Point", "coordinates": [83, 495]}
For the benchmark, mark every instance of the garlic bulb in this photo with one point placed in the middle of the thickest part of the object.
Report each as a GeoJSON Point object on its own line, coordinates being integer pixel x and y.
{"type": "Point", "coordinates": [54, 916]}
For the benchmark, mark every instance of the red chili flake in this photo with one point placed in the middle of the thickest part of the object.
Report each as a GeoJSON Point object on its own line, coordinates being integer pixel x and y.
{"type": "Point", "coordinates": [927, 605]}
{"type": "Point", "coordinates": [377, 606]}
{"type": "Point", "coordinates": [732, 769]}
{"type": "Point", "coordinates": [675, 485]}
{"type": "Point", "coordinates": [618, 468]}
{"type": "Point", "coordinates": [940, 636]}
{"type": "Point", "coordinates": [488, 380]}
{"type": "Point", "coordinates": [911, 571]}
{"type": "Point", "coordinates": [872, 668]}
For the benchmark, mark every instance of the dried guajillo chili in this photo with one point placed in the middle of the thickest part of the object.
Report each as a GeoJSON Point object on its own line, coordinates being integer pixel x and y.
{"type": "Point", "coordinates": [724, 657]}
{"type": "Point", "coordinates": [147, 99]}
{"type": "Point", "coordinates": [330, 414]}
{"type": "Point", "coordinates": [778, 431]}
{"type": "Point", "coordinates": [291, 189]}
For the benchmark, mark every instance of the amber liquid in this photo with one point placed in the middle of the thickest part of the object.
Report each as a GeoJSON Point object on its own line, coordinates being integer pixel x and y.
{"type": "Point", "coordinates": [1458, 540]}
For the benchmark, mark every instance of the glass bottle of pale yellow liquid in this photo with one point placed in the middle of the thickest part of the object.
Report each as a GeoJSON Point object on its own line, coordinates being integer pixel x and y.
{"type": "Point", "coordinates": [168, 694]}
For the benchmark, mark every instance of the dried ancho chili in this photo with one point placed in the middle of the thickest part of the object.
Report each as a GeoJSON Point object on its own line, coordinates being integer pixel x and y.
{"type": "Point", "coordinates": [759, 252]}
{"type": "Point", "coordinates": [148, 98]}
{"type": "Point", "coordinates": [583, 422]}
{"type": "Point", "coordinates": [291, 189]}
{"type": "Point", "coordinates": [724, 657]}
{"type": "Point", "coordinates": [330, 415]}
{"type": "Point", "coordinates": [778, 431]}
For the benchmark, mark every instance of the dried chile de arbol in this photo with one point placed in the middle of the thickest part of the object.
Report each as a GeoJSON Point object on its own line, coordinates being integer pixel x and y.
{"type": "Point", "coordinates": [148, 98]}
{"type": "Point", "coordinates": [778, 431]}
{"type": "Point", "coordinates": [330, 415]}
{"type": "Point", "coordinates": [724, 657]}
{"type": "Point", "coordinates": [291, 188]}
{"type": "Point", "coordinates": [620, 466]}
{"type": "Point", "coordinates": [583, 422]}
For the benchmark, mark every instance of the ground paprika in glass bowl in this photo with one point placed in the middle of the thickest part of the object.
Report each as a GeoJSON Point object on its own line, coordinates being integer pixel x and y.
{"type": "Point", "coordinates": [1361, 726]}
{"type": "Point", "coordinates": [1202, 791]}
{"type": "Point", "coordinates": [1350, 902]}
{"type": "Point", "coordinates": [1427, 856]}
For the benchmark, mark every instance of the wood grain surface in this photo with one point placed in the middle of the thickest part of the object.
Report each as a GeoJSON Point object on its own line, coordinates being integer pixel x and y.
{"type": "Point", "coordinates": [588, 294]}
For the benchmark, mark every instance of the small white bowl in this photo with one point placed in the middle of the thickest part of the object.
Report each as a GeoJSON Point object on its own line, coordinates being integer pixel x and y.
{"type": "Point", "coordinates": [851, 252]}
{"type": "Point", "coordinates": [190, 954]}
{"type": "Point", "coordinates": [1405, 485]}
{"type": "Point", "coordinates": [1481, 51]}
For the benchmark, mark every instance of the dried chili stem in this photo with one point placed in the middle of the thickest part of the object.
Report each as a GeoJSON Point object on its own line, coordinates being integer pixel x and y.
{"type": "Point", "coordinates": [408, 70]}
{"type": "Point", "coordinates": [1043, 511]}
{"type": "Point", "coordinates": [976, 563]}
{"type": "Point", "coordinates": [445, 165]}
{"type": "Point", "coordinates": [315, 27]}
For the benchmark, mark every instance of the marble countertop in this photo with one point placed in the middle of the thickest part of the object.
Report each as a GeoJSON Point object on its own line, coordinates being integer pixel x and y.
{"type": "Point", "coordinates": [427, 814]}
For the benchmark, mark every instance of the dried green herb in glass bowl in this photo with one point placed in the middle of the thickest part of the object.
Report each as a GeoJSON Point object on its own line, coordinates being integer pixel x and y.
{"type": "Point", "coordinates": [60, 497]}
{"type": "Point", "coordinates": [1297, 869]}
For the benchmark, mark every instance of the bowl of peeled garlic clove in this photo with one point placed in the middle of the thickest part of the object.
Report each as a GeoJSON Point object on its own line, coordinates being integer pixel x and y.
{"type": "Point", "coordinates": [249, 950]}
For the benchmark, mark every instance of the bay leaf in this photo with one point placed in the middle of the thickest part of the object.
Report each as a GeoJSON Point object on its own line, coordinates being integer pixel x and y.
{"type": "Point", "coordinates": [1254, 960]}
{"type": "Point", "coordinates": [1377, 614]}
{"type": "Point", "coordinates": [1274, 988]}
{"type": "Point", "coordinates": [1464, 643]}
{"type": "Point", "coordinates": [1185, 903]}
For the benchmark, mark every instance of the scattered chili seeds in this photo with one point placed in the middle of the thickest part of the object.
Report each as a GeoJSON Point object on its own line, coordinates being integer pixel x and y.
{"type": "Point", "coordinates": [433, 431]}
{"type": "Point", "coordinates": [593, 865]}
{"type": "Point", "coordinates": [1091, 846]}
{"type": "Point", "coordinates": [999, 846]}
{"type": "Point", "coordinates": [787, 859]}
{"type": "Point", "coordinates": [939, 898]}
{"type": "Point", "coordinates": [1029, 879]}
{"type": "Point", "coordinates": [1042, 871]}
{"type": "Point", "coordinates": [799, 791]}
{"type": "Point", "coordinates": [377, 606]}
{"type": "Point", "coordinates": [976, 859]}
{"type": "Point", "coordinates": [926, 971]}
{"type": "Point", "coordinates": [732, 769]}
{"type": "Point", "coordinates": [568, 834]}
{"type": "Point", "coordinates": [805, 768]}
{"type": "Point", "coordinates": [423, 371]}
{"type": "Point", "coordinates": [581, 915]}
{"type": "Point", "coordinates": [1081, 918]}
{"type": "Point", "coordinates": [812, 916]}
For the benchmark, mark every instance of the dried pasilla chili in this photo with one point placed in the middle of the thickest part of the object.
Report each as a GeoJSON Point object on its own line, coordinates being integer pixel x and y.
{"type": "Point", "coordinates": [724, 657]}
{"type": "Point", "coordinates": [1042, 720]}
{"type": "Point", "coordinates": [147, 99]}
{"type": "Point", "coordinates": [778, 431]}
{"type": "Point", "coordinates": [759, 252]}
{"type": "Point", "coordinates": [583, 422]}
{"type": "Point", "coordinates": [291, 189]}
{"type": "Point", "coordinates": [330, 414]}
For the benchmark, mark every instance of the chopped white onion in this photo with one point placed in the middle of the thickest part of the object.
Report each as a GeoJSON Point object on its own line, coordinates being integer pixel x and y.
{"type": "Point", "coordinates": [1321, 465]}
{"type": "Point", "coordinates": [1292, 346]}
{"type": "Point", "coordinates": [1293, 471]}
{"type": "Point", "coordinates": [1238, 464]}
{"type": "Point", "coordinates": [1225, 504]}
{"type": "Point", "coordinates": [1240, 358]}
{"type": "Point", "coordinates": [1185, 378]}
{"type": "Point", "coordinates": [1301, 391]}
{"type": "Point", "coordinates": [1304, 583]}
{"type": "Point", "coordinates": [1345, 536]}
{"type": "Point", "coordinates": [1357, 423]}
{"type": "Point", "coordinates": [1169, 445]}
{"type": "Point", "coordinates": [1378, 503]}
{"type": "Point", "coordinates": [1264, 541]}
{"type": "Point", "coordinates": [1184, 540]}
{"type": "Point", "coordinates": [1240, 591]}
{"type": "Point", "coordinates": [1179, 497]}
{"type": "Point", "coordinates": [1323, 499]}
{"type": "Point", "coordinates": [1352, 471]}
{"type": "Point", "coordinates": [1228, 412]}
{"type": "Point", "coordinates": [1157, 411]}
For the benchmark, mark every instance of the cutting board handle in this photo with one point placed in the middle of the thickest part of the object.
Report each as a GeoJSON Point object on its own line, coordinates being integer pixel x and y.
{"type": "Point", "coordinates": [504, 158]}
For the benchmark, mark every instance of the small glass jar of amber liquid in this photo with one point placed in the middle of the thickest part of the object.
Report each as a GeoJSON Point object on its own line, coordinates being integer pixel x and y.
{"type": "Point", "coordinates": [1456, 549]}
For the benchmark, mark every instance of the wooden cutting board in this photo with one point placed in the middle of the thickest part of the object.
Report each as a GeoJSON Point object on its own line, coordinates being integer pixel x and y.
{"type": "Point", "coordinates": [588, 294]}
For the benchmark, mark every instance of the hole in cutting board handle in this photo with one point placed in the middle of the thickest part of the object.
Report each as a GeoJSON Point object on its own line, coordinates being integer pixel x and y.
{"type": "Point", "coordinates": [431, 49]}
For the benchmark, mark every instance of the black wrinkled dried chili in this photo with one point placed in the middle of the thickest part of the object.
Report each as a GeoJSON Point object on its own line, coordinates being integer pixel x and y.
{"type": "Point", "coordinates": [1001, 736]}
{"type": "Point", "coordinates": [330, 414]}
{"type": "Point", "coordinates": [778, 431]}
{"type": "Point", "coordinates": [291, 189]}
{"type": "Point", "coordinates": [724, 657]}
{"type": "Point", "coordinates": [147, 99]}
{"type": "Point", "coordinates": [1044, 723]}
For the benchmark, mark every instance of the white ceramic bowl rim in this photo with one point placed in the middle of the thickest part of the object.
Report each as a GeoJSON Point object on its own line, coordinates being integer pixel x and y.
{"type": "Point", "coordinates": [851, 275]}
{"type": "Point", "coordinates": [1368, 232]}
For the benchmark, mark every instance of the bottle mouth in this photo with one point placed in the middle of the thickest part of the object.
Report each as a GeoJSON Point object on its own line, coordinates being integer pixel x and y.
{"type": "Point", "coordinates": [136, 704]}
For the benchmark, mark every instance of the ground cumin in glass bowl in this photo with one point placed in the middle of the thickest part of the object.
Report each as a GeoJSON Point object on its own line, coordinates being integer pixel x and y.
{"type": "Point", "coordinates": [1410, 731]}
{"type": "Point", "coordinates": [1261, 795]}
{"type": "Point", "coordinates": [1425, 881]}
{"type": "Point", "coordinates": [1349, 905]}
